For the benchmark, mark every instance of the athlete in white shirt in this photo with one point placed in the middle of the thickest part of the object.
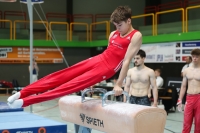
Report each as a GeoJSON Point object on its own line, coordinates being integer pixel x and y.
{"type": "Point", "coordinates": [188, 62]}
{"type": "Point", "coordinates": [159, 81]}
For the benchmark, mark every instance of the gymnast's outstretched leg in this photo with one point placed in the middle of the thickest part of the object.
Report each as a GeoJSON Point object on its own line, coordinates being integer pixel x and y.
{"type": "Point", "coordinates": [55, 79]}
{"type": "Point", "coordinates": [98, 73]}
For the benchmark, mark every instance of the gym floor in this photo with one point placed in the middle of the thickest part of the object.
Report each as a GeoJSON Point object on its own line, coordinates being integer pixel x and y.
{"type": "Point", "coordinates": [51, 111]}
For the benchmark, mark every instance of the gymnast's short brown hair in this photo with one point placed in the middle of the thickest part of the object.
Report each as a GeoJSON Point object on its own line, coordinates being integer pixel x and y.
{"type": "Point", "coordinates": [121, 13]}
{"type": "Point", "coordinates": [195, 51]}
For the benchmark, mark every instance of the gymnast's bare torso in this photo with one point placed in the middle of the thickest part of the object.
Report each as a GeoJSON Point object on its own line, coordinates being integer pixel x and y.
{"type": "Point", "coordinates": [192, 75]}
{"type": "Point", "coordinates": [140, 81]}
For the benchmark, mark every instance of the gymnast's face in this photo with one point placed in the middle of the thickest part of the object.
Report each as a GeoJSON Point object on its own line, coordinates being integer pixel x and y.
{"type": "Point", "coordinates": [138, 60]}
{"type": "Point", "coordinates": [123, 27]}
{"type": "Point", "coordinates": [196, 59]}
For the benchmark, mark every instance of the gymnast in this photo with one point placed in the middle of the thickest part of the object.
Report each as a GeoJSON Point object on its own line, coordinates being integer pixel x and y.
{"type": "Point", "coordinates": [123, 45]}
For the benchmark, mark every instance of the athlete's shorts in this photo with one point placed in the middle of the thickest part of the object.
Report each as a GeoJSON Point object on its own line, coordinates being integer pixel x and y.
{"type": "Point", "coordinates": [140, 100]}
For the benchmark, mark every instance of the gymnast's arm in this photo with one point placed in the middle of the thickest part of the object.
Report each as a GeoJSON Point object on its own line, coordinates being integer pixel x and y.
{"type": "Point", "coordinates": [154, 87]}
{"type": "Point", "coordinates": [132, 50]}
{"type": "Point", "coordinates": [149, 92]}
{"type": "Point", "coordinates": [183, 88]}
{"type": "Point", "coordinates": [111, 34]}
{"type": "Point", "coordinates": [128, 83]}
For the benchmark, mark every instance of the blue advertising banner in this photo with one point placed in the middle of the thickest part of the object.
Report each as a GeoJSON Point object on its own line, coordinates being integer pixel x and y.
{"type": "Point", "coordinates": [191, 44]}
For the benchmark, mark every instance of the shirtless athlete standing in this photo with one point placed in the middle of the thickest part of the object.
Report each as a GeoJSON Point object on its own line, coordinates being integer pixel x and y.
{"type": "Point", "coordinates": [191, 75]}
{"type": "Point", "coordinates": [138, 80]}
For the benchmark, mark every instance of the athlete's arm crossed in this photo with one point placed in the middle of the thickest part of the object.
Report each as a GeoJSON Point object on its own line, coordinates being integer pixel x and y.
{"type": "Point", "coordinates": [154, 87]}
{"type": "Point", "coordinates": [128, 83]}
{"type": "Point", "coordinates": [132, 50]}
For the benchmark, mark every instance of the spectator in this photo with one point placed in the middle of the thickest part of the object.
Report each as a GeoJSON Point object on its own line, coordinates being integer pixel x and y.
{"type": "Point", "coordinates": [35, 71]}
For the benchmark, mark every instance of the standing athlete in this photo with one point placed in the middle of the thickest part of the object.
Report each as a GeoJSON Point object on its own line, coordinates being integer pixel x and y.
{"type": "Point", "coordinates": [138, 80]}
{"type": "Point", "coordinates": [191, 76]}
{"type": "Point", "coordinates": [124, 44]}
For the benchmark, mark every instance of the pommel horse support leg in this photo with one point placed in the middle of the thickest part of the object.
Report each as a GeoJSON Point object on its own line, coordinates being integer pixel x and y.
{"type": "Point", "coordinates": [113, 117]}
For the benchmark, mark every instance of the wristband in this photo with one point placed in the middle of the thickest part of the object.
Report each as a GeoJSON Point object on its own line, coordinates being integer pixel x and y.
{"type": "Point", "coordinates": [179, 101]}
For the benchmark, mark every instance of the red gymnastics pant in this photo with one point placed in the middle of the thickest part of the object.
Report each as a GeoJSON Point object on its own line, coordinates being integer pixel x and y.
{"type": "Point", "coordinates": [192, 110]}
{"type": "Point", "coordinates": [67, 81]}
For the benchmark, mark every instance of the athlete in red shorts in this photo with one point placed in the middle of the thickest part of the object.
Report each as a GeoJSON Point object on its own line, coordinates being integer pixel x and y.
{"type": "Point", "coordinates": [124, 43]}
{"type": "Point", "coordinates": [192, 105]}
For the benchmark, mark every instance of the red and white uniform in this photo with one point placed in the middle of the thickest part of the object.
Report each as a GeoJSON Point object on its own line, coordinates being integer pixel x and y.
{"type": "Point", "coordinates": [81, 75]}
{"type": "Point", "coordinates": [192, 111]}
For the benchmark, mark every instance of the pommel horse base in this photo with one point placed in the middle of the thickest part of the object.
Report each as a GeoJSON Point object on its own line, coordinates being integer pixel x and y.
{"type": "Point", "coordinates": [112, 117]}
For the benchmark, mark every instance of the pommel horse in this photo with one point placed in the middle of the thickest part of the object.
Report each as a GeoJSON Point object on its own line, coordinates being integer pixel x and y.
{"type": "Point", "coordinates": [110, 117]}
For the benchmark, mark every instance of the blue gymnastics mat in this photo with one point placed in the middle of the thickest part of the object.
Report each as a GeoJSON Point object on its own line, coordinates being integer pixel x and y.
{"type": "Point", "coordinates": [5, 108]}
{"type": "Point", "coordinates": [23, 122]}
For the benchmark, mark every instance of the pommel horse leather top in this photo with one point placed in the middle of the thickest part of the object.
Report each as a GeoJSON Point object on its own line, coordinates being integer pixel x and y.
{"type": "Point", "coordinates": [114, 117]}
